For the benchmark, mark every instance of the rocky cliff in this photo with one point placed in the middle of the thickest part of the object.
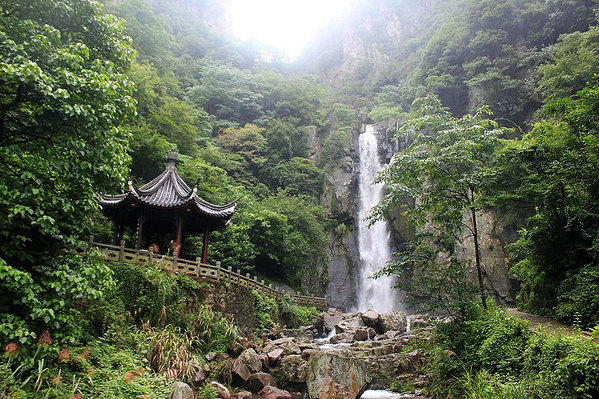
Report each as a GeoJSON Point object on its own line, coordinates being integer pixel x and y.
{"type": "Point", "coordinates": [366, 45]}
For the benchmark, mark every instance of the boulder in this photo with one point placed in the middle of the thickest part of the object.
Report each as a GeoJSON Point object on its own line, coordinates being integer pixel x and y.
{"type": "Point", "coordinates": [307, 345]}
{"type": "Point", "coordinates": [258, 381]}
{"type": "Point", "coordinates": [290, 348]}
{"type": "Point", "coordinates": [350, 323]}
{"type": "Point", "coordinates": [363, 334]}
{"type": "Point", "coordinates": [293, 369]}
{"type": "Point", "coordinates": [388, 335]}
{"type": "Point", "coordinates": [242, 395]}
{"type": "Point", "coordinates": [199, 378]}
{"type": "Point", "coordinates": [264, 359]}
{"type": "Point", "coordinates": [336, 375]}
{"type": "Point", "coordinates": [370, 318]}
{"type": "Point", "coordinates": [306, 353]}
{"type": "Point", "coordinates": [221, 390]}
{"type": "Point", "coordinates": [419, 321]}
{"type": "Point", "coordinates": [340, 338]}
{"type": "Point", "coordinates": [180, 390]}
{"type": "Point", "coordinates": [245, 365]}
{"type": "Point", "coordinates": [270, 392]}
{"type": "Point", "coordinates": [288, 345]}
{"type": "Point", "coordinates": [331, 318]}
{"type": "Point", "coordinates": [411, 361]}
{"type": "Point", "coordinates": [281, 340]}
{"type": "Point", "coordinates": [392, 321]}
{"type": "Point", "coordinates": [274, 356]}
{"type": "Point", "coordinates": [239, 346]}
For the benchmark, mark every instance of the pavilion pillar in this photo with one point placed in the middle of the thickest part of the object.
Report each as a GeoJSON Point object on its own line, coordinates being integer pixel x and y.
{"type": "Point", "coordinates": [115, 232]}
{"type": "Point", "coordinates": [121, 232]}
{"type": "Point", "coordinates": [140, 226]}
{"type": "Point", "coordinates": [205, 246]}
{"type": "Point", "coordinates": [179, 236]}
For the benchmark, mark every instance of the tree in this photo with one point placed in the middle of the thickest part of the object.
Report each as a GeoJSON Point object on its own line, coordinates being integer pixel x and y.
{"type": "Point", "coordinates": [553, 170]}
{"type": "Point", "coordinates": [247, 142]}
{"type": "Point", "coordinates": [63, 99]}
{"type": "Point", "coordinates": [574, 63]}
{"type": "Point", "coordinates": [299, 176]}
{"type": "Point", "coordinates": [443, 173]}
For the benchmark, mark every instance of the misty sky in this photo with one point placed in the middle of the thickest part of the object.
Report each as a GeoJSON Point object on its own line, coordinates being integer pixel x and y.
{"type": "Point", "coordinates": [284, 24]}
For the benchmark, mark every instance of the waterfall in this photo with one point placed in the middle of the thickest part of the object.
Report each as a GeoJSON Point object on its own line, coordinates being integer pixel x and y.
{"type": "Point", "coordinates": [373, 242]}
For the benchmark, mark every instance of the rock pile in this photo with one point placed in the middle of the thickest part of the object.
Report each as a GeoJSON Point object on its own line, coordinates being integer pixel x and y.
{"type": "Point", "coordinates": [290, 363]}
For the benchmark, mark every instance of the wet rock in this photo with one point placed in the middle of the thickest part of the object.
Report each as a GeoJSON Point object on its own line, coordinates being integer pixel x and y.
{"type": "Point", "coordinates": [281, 341]}
{"type": "Point", "coordinates": [180, 390]}
{"type": "Point", "coordinates": [392, 321]}
{"type": "Point", "coordinates": [331, 318]}
{"type": "Point", "coordinates": [270, 392]}
{"type": "Point", "coordinates": [419, 321]}
{"type": "Point", "coordinates": [363, 334]}
{"type": "Point", "coordinates": [410, 361]}
{"type": "Point", "coordinates": [388, 335]}
{"type": "Point", "coordinates": [370, 318]}
{"type": "Point", "coordinates": [291, 332]}
{"type": "Point", "coordinates": [221, 390]}
{"type": "Point", "coordinates": [258, 381]}
{"type": "Point", "coordinates": [308, 334]}
{"type": "Point", "coordinates": [340, 338]}
{"type": "Point", "coordinates": [245, 365]}
{"type": "Point", "coordinates": [307, 345]}
{"type": "Point", "coordinates": [336, 375]}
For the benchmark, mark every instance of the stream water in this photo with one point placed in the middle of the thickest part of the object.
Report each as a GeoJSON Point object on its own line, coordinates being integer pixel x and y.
{"type": "Point", "coordinates": [373, 240]}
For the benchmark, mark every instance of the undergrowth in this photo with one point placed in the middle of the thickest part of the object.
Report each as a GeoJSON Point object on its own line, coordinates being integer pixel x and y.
{"type": "Point", "coordinates": [495, 355]}
{"type": "Point", "coordinates": [147, 329]}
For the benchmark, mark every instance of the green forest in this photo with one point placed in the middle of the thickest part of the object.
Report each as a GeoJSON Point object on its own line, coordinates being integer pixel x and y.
{"type": "Point", "coordinates": [496, 100]}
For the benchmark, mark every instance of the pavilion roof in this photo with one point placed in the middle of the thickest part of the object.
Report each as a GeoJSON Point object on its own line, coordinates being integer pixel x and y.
{"type": "Point", "coordinates": [168, 191]}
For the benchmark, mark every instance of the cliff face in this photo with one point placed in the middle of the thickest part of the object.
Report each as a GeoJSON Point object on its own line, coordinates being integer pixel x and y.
{"type": "Point", "coordinates": [368, 42]}
{"type": "Point", "coordinates": [339, 201]}
{"type": "Point", "coordinates": [496, 230]}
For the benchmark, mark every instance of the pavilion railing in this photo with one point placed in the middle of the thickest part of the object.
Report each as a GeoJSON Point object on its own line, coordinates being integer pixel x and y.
{"type": "Point", "coordinates": [213, 273]}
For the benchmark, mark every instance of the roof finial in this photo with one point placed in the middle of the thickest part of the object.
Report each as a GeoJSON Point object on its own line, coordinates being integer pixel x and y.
{"type": "Point", "coordinates": [171, 160]}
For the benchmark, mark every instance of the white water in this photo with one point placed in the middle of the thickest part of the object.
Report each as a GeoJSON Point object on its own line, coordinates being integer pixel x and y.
{"type": "Point", "coordinates": [376, 294]}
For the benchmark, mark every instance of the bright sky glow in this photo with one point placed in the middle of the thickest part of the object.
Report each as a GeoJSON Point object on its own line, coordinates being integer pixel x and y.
{"type": "Point", "coordinates": [284, 24]}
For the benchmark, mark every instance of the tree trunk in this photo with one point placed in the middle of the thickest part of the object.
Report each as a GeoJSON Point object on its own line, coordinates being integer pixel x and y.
{"type": "Point", "coordinates": [479, 270]}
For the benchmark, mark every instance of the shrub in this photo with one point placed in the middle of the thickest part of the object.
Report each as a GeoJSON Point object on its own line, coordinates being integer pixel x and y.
{"type": "Point", "coordinates": [213, 330]}
{"type": "Point", "coordinates": [267, 310]}
{"type": "Point", "coordinates": [496, 356]}
{"type": "Point", "coordinates": [207, 392]}
{"type": "Point", "coordinates": [504, 344]}
{"type": "Point", "coordinates": [293, 315]}
{"type": "Point", "coordinates": [170, 353]}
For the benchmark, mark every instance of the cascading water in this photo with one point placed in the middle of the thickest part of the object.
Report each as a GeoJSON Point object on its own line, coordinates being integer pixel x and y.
{"type": "Point", "coordinates": [373, 241]}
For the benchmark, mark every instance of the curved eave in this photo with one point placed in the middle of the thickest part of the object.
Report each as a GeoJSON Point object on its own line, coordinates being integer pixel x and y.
{"type": "Point", "coordinates": [193, 202]}
{"type": "Point", "coordinates": [111, 200]}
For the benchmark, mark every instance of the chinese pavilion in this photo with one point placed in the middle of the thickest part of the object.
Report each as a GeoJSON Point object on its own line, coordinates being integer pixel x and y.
{"type": "Point", "coordinates": [165, 205]}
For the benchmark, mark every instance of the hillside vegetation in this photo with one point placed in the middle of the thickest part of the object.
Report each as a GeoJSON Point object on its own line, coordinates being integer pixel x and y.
{"type": "Point", "coordinates": [496, 100]}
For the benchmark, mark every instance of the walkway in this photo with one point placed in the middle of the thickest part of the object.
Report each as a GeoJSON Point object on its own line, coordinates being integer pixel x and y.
{"type": "Point", "coordinates": [547, 323]}
{"type": "Point", "coordinates": [211, 273]}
